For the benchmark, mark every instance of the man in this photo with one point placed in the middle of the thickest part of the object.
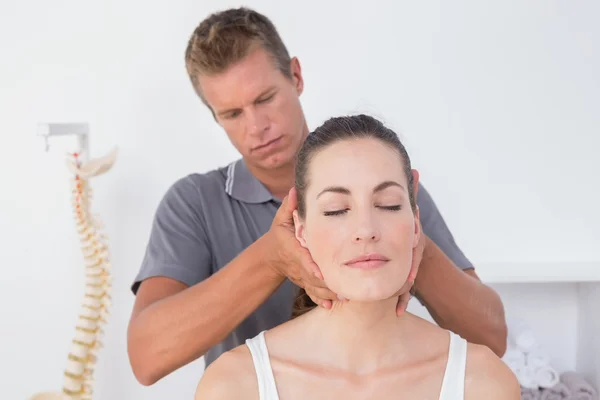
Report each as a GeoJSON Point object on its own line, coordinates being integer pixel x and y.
{"type": "Point", "coordinates": [222, 258]}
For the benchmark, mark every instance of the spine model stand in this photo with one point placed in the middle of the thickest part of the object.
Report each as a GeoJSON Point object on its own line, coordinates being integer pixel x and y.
{"type": "Point", "coordinates": [78, 375]}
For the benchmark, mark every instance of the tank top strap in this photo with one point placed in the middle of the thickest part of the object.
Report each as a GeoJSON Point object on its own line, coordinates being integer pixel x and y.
{"type": "Point", "coordinates": [453, 384]}
{"type": "Point", "coordinates": [267, 389]}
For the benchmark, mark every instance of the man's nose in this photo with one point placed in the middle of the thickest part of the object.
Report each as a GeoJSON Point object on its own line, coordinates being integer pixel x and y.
{"type": "Point", "coordinates": [257, 123]}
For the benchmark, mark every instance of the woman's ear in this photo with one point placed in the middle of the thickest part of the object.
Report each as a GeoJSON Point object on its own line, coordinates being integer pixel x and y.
{"type": "Point", "coordinates": [299, 228]}
{"type": "Point", "coordinates": [415, 176]}
{"type": "Point", "coordinates": [418, 229]}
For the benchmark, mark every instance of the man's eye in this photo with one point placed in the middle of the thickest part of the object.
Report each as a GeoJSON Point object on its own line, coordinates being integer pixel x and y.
{"type": "Point", "coordinates": [266, 99]}
{"type": "Point", "coordinates": [232, 115]}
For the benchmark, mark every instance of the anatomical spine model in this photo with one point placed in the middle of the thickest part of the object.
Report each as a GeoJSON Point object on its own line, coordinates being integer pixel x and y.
{"type": "Point", "coordinates": [78, 375]}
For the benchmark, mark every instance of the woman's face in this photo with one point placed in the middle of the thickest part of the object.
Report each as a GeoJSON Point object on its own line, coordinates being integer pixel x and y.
{"type": "Point", "coordinates": [359, 226]}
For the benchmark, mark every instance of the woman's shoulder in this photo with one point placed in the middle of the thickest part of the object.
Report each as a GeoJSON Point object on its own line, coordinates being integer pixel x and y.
{"type": "Point", "coordinates": [488, 377]}
{"type": "Point", "coordinates": [229, 376]}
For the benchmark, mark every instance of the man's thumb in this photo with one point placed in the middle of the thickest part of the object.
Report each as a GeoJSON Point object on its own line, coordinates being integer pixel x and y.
{"type": "Point", "coordinates": [292, 200]}
{"type": "Point", "coordinates": [285, 213]}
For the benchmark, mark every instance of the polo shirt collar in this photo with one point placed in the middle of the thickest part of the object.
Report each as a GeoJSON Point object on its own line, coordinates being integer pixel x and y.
{"type": "Point", "coordinates": [243, 186]}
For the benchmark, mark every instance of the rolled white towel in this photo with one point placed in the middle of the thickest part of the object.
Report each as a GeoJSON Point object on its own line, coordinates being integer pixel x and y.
{"type": "Point", "coordinates": [538, 362]}
{"type": "Point", "coordinates": [516, 360]}
{"type": "Point", "coordinates": [526, 378]}
{"type": "Point", "coordinates": [545, 376]}
{"type": "Point", "coordinates": [520, 334]}
{"type": "Point", "coordinates": [532, 369]}
{"type": "Point", "coordinates": [536, 357]}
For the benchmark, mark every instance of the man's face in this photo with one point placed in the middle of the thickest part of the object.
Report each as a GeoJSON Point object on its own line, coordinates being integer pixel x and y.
{"type": "Point", "coordinates": [259, 108]}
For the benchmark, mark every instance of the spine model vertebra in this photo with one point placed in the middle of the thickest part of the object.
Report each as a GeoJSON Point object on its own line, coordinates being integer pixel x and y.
{"type": "Point", "coordinates": [78, 379]}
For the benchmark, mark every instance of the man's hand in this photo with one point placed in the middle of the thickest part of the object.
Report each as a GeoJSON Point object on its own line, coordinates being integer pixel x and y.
{"type": "Point", "coordinates": [293, 261]}
{"type": "Point", "coordinates": [405, 294]}
{"type": "Point", "coordinates": [406, 291]}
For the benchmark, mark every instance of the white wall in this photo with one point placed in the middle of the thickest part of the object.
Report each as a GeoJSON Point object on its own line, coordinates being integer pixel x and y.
{"type": "Point", "coordinates": [498, 104]}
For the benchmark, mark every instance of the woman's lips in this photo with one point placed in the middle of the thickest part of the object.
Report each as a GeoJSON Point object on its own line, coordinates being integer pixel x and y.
{"type": "Point", "coordinates": [367, 261]}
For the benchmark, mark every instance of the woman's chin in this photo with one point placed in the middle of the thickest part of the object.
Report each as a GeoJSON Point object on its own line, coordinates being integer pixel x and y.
{"type": "Point", "coordinates": [362, 296]}
{"type": "Point", "coordinates": [377, 287]}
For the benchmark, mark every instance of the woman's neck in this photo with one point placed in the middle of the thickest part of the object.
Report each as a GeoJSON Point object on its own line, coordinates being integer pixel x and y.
{"type": "Point", "coordinates": [360, 337]}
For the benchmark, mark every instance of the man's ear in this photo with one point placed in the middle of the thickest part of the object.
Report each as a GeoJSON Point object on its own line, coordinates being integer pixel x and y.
{"type": "Point", "coordinates": [299, 228]}
{"type": "Point", "coordinates": [297, 75]}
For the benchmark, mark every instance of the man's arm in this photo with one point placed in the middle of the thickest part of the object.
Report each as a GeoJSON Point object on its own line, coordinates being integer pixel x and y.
{"type": "Point", "coordinates": [173, 325]}
{"type": "Point", "coordinates": [458, 301]}
{"type": "Point", "coordinates": [182, 309]}
{"type": "Point", "coordinates": [450, 289]}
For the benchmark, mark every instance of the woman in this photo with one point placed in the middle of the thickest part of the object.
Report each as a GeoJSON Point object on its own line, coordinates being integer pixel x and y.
{"type": "Point", "coordinates": [357, 216]}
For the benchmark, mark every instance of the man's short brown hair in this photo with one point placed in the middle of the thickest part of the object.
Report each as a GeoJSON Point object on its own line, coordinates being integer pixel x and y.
{"type": "Point", "coordinates": [226, 37]}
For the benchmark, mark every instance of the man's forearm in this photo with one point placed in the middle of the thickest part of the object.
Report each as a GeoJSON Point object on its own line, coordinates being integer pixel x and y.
{"type": "Point", "coordinates": [459, 302]}
{"type": "Point", "coordinates": [179, 329]}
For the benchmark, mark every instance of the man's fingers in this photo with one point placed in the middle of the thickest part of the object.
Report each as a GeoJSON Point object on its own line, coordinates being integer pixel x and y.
{"type": "Point", "coordinates": [310, 266]}
{"type": "Point", "coordinates": [405, 288]}
{"type": "Point", "coordinates": [315, 273]}
{"type": "Point", "coordinates": [404, 293]}
{"type": "Point", "coordinates": [321, 293]}
{"type": "Point", "coordinates": [402, 303]}
{"type": "Point", "coordinates": [412, 275]}
{"type": "Point", "coordinates": [322, 297]}
{"type": "Point", "coordinates": [326, 304]}
{"type": "Point", "coordinates": [416, 262]}
{"type": "Point", "coordinates": [315, 282]}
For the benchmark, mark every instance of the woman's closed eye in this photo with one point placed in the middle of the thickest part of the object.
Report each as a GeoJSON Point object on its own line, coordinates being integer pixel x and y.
{"type": "Point", "coordinates": [335, 212]}
{"type": "Point", "coordinates": [397, 207]}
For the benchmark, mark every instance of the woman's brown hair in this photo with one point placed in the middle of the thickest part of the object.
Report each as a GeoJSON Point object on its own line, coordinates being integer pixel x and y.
{"type": "Point", "coordinates": [331, 131]}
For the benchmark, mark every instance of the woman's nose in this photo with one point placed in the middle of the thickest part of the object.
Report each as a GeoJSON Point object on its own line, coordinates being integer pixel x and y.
{"type": "Point", "coordinates": [360, 238]}
{"type": "Point", "coordinates": [367, 232]}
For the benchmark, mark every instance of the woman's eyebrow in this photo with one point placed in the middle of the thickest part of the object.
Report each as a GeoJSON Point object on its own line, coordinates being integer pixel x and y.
{"type": "Point", "coordinates": [342, 190]}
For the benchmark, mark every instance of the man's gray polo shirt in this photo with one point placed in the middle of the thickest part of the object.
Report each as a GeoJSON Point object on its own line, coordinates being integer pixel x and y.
{"type": "Point", "coordinates": [206, 220]}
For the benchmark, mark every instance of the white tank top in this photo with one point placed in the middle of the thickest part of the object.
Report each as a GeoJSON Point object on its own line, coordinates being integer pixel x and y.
{"type": "Point", "coordinates": [453, 384]}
